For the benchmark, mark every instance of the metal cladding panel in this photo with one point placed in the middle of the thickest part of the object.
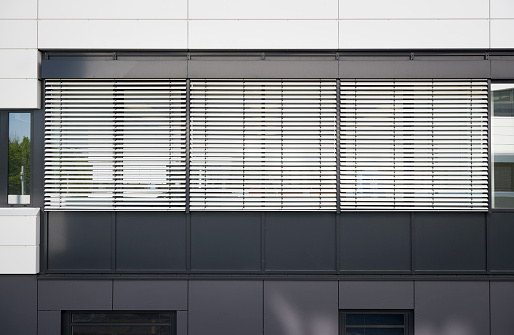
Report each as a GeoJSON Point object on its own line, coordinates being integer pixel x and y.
{"type": "Point", "coordinates": [225, 241]}
{"type": "Point", "coordinates": [375, 242]}
{"type": "Point", "coordinates": [450, 242]}
{"type": "Point", "coordinates": [74, 295]}
{"type": "Point", "coordinates": [300, 307]}
{"type": "Point", "coordinates": [49, 322]}
{"type": "Point", "coordinates": [226, 307]}
{"type": "Point", "coordinates": [79, 241]}
{"type": "Point", "coordinates": [151, 241]}
{"type": "Point", "coordinates": [18, 305]}
{"type": "Point", "coordinates": [150, 295]}
{"type": "Point", "coordinates": [300, 242]}
{"type": "Point", "coordinates": [376, 295]}
{"type": "Point", "coordinates": [502, 305]}
{"type": "Point", "coordinates": [451, 308]}
{"type": "Point", "coordinates": [501, 248]}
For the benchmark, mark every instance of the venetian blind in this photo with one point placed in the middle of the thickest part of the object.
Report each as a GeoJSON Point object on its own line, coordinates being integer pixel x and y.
{"type": "Point", "coordinates": [115, 144]}
{"type": "Point", "coordinates": [414, 145]}
{"type": "Point", "coordinates": [263, 145]}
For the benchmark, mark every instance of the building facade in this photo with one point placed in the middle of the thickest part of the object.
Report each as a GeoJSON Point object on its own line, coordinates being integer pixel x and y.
{"type": "Point", "coordinates": [284, 167]}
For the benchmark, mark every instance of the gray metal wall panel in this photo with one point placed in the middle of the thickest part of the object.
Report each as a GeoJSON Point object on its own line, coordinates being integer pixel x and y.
{"type": "Point", "coordinates": [18, 305]}
{"type": "Point", "coordinates": [226, 241]}
{"type": "Point", "coordinates": [501, 247]}
{"type": "Point", "coordinates": [450, 241]}
{"type": "Point", "coordinates": [49, 323]}
{"type": "Point", "coordinates": [225, 307]}
{"type": "Point", "coordinates": [375, 241]}
{"type": "Point", "coordinates": [376, 295]}
{"type": "Point", "coordinates": [262, 69]}
{"type": "Point", "coordinates": [149, 295]}
{"type": "Point", "coordinates": [300, 241]}
{"type": "Point", "coordinates": [38, 160]}
{"type": "Point", "coordinates": [74, 294]}
{"type": "Point", "coordinates": [300, 307]}
{"type": "Point", "coordinates": [449, 308]}
{"type": "Point", "coordinates": [182, 323]}
{"type": "Point", "coordinates": [502, 69]}
{"type": "Point", "coordinates": [104, 69]}
{"type": "Point", "coordinates": [502, 305]}
{"type": "Point", "coordinates": [418, 69]}
{"type": "Point", "coordinates": [148, 241]}
{"type": "Point", "coordinates": [79, 240]}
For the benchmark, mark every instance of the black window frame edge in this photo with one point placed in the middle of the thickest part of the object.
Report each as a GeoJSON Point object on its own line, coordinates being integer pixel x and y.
{"type": "Point", "coordinates": [66, 315]}
{"type": "Point", "coordinates": [408, 317]}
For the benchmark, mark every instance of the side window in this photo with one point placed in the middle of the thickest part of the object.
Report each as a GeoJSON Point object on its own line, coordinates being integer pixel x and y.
{"type": "Point", "coordinates": [503, 145]}
{"type": "Point", "coordinates": [18, 186]}
{"type": "Point", "coordinates": [110, 322]}
{"type": "Point", "coordinates": [376, 323]}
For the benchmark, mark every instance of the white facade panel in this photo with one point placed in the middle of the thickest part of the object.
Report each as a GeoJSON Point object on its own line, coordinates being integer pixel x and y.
{"type": "Point", "coordinates": [263, 34]}
{"type": "Point", "coordinates": [419, 9]}
{"type": "Point", "coordinates": [502, 9]}
{"type": "Point", "coordinates": [501, 33]}
{"type": "Point", "coordinates": [113, 9]}
{"type": "Point", "coordinates": [20, 93]}
{"type": "Point", "coordinates": [19, 259]}
{"type": "Point", "coordinates": [19, 230]}
{"type": "Point", "coordinates": [265, 9]}
{"type": "Point", "coordinates": [416, 34]}
{"type": "Point", "coordinates": [19, 63]}
{"type": "Point", "coordinates": [18, 9]}
{"type": "Point", "coordinates": [18, 34]}
{"type": "Point", "coordinates": [112, 34]}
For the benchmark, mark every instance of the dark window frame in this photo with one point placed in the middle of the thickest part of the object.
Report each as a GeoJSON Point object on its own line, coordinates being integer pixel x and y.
{"type": "Point", "coordinates": [408, 317]}
{"type": "Point", "coordinates": [67, 323]}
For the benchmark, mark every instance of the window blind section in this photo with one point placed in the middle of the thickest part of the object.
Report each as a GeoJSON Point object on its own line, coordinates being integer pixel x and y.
{"type": "Point", "coordinates": [414, 145]}
{"type": "Point", "coordinates": [263, 145]}
{"type": "Point", "coordinates": [115, 145]}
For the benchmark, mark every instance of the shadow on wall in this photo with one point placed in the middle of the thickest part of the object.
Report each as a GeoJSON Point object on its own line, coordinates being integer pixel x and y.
{"type": "Point", "coordinates": [452, 326]}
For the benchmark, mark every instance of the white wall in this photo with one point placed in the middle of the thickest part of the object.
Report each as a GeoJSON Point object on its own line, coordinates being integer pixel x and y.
{"type": "Point", "coordinates": [19, 240]}
{"type": "Point", "coordinates": [29, 25]}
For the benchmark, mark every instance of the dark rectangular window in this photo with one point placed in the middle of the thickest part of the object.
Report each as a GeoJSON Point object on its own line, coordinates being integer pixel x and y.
{"type": "Point", "coordinates": [119, 323]}
{"type": "Point", "coordinates": [376, 322]}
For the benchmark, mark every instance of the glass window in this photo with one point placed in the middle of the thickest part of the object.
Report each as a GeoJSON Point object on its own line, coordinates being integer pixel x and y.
{"type": "Point", "coordinates": [19, 158]}
{"type": "Point", "coordinates": [376, 323]}
{"type": "Point", "coordinates": [503, 145]}
{"type": "Point", "coordinates": [120, 323]}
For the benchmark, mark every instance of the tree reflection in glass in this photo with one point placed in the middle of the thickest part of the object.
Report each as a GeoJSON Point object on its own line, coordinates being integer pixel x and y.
{"type": "Point", "coordinates": [19, 158]}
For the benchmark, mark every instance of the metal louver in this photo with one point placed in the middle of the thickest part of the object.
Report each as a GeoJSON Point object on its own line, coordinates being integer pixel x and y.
{"type": "Point", "coordinates": [263, 145]}
{"type": "Point", "coordinates": [115, 144]}
{"type": "Point", "coordinates": [414, 145]}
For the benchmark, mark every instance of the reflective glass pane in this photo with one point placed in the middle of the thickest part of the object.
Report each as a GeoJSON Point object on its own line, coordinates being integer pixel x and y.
{"type": "Point", "coordinates": [121, 330]}
{"type": "Point", "coordinates": [19, 158]}
{"type": "Point", "coordinates": [503, 145]}
{"type": "Point", "coordinates": [121, 317]}
{"type": "Point", "coordinates": [374, 319]}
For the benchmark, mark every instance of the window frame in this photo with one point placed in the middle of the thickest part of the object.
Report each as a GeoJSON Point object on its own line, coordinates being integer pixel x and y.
{"type": "Point", "coordinates": [408, 324]}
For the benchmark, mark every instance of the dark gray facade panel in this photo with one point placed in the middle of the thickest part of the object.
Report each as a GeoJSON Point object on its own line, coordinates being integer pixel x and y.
{"type": "Point", "coordinates": [18, 304]}
{"type": "Point", "coordinates": [418, 69]}
{"type": "Point", "coordinates": [79, 241]}
{"type": "Point", "coordinates": [107, 69]}
{"type": "Point", "coordinates": [182, 323]}
{"type": "Point", "coordinates": [54, 295]}
{"type": "Point", "coordinates": [501, 246]}
{"type": "Point", "coordinates": [49, 323]}
{"type": "Point", "coordinates": [502, 69]}
{"type": "Point", "coordinates": [451, 308]}
{"type": "Point", "coordinates": [262, 69]}
{"type": "Point", "coordinates": [229, 241]}
{"type": "Point", "coordinates": [226, 307]}
{"type": "Point", "coordinates": [502, 305]}
{"type": "Point", "coordinates": [300, 241]}
{"type": "Point", "coordinates": [376, 295]}
{"type": "Point", "coordinates": [375, 241]}
{"type": "Point", "coordinates": [300, 307]}
{"type": "Point", "coordinates": [150, 295]}
{"type": "Point", "coordinates": [450, 241]}
{"type": "Point", "coordinates": [147, 241]}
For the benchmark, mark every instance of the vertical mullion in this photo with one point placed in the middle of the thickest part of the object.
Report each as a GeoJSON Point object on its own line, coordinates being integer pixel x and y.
{"type": "Point", "coordinates": [4, 148]}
